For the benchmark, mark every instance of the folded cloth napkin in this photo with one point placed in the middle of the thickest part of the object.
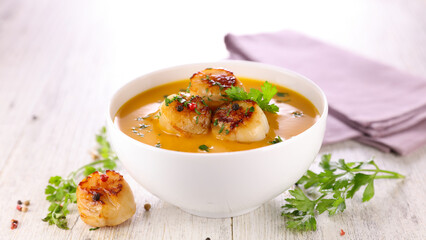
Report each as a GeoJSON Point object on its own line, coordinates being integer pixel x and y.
{"type": "Point", "coordinates": [373, 103]}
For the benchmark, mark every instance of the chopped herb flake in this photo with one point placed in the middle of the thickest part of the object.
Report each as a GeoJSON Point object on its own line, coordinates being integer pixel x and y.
{"type": "Point", "coordinates": [277, 139]}
{"type": "Point", "coordinates": [215, 122]}
{"type": "Point", "coordinates": [297, 114]}
{"type": "Point", "coordinates": [203, 148]}
{"type": "Point", "coordinates": [229, 111]}
{"type": "Point", "coordinates": [282, 94]}
{"type": "Point", "coordinates": [221, 129]}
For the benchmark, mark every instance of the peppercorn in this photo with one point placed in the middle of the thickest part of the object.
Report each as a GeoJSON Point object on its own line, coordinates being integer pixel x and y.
{"type": "Point", "coordinates": [235, 106]}
{"type": "Point", "coordinates": [19, 207]}
{"type": "Point", "coordinates": [192, 106]}
{"type": "Point", "coordinates": [104, 177]}
{"type": "Point", "coordinates": [27, 203]}
{"type": "Point", "coordinates": [14, 224]}
{"type": "Point", "coordinates": [147, 206]}
{"type": "Point", "coordinates": [24, 209]}
{"type": "Point", "coordinates": [96, 196]}
{"type": "Point", "coordinates": [179, 108]}
{"type": "Point", "coordinates": [19, 202]}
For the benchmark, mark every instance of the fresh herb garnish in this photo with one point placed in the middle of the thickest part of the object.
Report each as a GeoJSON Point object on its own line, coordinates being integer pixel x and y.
{"type": "Point", "coordinates": [215, 122]}
{"type": "Point", "coordinates": [196, 111]}
{"type": "Point", "coordinates": [62, 191]}
{"type": "Point", "coordinates": [297, 114]}
{"type": "Point", "coordinates": [189, 86]}
{"type": "Point", "coordinates": [228, 112]}
{"type": "Point", "coordinates": [205, 104]}
{"type": "Point", "coordinates": [196, 120]}
{"type": "Point", "coordinates": [282, 94]}
{"type": "Point", "coordinates": [221, 129]}
{"type": "Point", "coordinates": [178, 98]}
{"type": "Point", "coordinates": [262, 98]}
{"type": "Point", "coordinates": [277, 139]}
{"type": "Point", "coordinates": [93, 229]}
{"type": "Point", "coordinates": [203, 148]}
{"type": "Point", "coordinates": [158, 145]}
{"type": "Point", "coordinates": [329, 190]}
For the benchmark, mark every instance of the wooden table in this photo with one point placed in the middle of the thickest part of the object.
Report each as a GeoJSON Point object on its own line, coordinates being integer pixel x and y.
{"type": "Point", "coordinates": [61, 60]}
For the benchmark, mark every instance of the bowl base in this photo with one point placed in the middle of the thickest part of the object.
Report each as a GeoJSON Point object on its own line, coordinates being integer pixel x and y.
{"type": "Point", "coordinates": [220, 214]}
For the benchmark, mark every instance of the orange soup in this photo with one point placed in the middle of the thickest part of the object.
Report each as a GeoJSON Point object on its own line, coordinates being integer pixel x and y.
{"type": "Point", "coordinates": [138, 118]}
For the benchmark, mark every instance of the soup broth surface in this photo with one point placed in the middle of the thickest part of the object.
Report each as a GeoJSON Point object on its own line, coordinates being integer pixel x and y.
{"type": "Point", "coordinates": [137, 119]}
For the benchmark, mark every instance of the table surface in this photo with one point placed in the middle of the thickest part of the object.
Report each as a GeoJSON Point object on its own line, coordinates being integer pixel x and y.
{"type": "Point", "coordinates": [61, 60]}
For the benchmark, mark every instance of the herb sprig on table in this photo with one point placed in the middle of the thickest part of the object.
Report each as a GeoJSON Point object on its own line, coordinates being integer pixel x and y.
{"type": "Point", "coordinates": [328, 190]}
{"type": "Point", "coordinates": [262, 98]}
{"type": "Point", "coordinates": [62, 191]}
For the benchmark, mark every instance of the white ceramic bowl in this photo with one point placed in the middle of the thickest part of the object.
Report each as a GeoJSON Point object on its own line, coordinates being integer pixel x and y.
{"type": "Point", "coordinates": [219, 184]}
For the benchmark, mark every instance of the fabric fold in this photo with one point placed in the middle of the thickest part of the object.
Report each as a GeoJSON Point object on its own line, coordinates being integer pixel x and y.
{"type": "Point", "coordinates": [369, 101]}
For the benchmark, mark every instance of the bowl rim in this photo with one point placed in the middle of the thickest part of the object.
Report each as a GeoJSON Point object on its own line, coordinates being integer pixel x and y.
{"type": "Point", "coordinates": [322, 117]}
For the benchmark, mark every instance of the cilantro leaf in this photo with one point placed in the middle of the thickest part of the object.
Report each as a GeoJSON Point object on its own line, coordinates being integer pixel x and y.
{"type": "Point", "coordinates": [262, 98]}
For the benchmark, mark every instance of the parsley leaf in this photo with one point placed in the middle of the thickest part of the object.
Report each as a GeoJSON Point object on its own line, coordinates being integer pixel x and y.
{"type": "Point", "coordinates": [262, 98]}
{"type": "Point", "coordinates": [61, 192]}
{"type": "Point", "coordinates": [329, 190]}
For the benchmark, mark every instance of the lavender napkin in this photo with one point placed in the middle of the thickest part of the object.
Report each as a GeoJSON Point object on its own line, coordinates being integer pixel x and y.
{"type": "Point", "coordinates": [373, 103]}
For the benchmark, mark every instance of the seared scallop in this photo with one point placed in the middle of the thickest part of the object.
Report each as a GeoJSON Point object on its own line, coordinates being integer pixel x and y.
{"type": "Point", "coordinates": [241, 121]}
{"type": "Point", "coordinates": [105, 199]}
{"type": "Point", "coordinates": [184, 114]}
{"type": "Point", "coordinates": [211, 84]}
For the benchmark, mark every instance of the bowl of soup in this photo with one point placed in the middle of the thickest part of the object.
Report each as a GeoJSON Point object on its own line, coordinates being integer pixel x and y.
{"type": "Point", "coordinates": [221, 149]}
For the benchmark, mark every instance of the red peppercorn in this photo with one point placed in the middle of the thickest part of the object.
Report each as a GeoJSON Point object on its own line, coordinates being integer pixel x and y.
{"type": "Point", "coordinates": [342, 233]}
{"type": "Point", "coordinates": [19, 207]}
{"type": "Point", "coordinates": [14, 224]}
{"type": "Point", "coordinates": [192, 106]}
{"type": "Point", "coordinates": [104, 177]}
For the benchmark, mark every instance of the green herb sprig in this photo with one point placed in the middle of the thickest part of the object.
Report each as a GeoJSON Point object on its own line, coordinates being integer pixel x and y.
{"type": "Point", "coordinates": [329, 190]}
{"type": "Point", "coordinates": [262, 98]}
{"type": "Point", "coordinates": [62, 191]}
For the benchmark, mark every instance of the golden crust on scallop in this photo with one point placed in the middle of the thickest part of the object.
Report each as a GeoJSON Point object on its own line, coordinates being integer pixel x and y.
{"type": "Point", "coordinates": [105, 199]}
{"type": "Point", "coordinates": [211, 85]}
{"type": "Point", "coordinates": [242, 121]}
{"type": "Point", "coordinates": [183, 114]}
